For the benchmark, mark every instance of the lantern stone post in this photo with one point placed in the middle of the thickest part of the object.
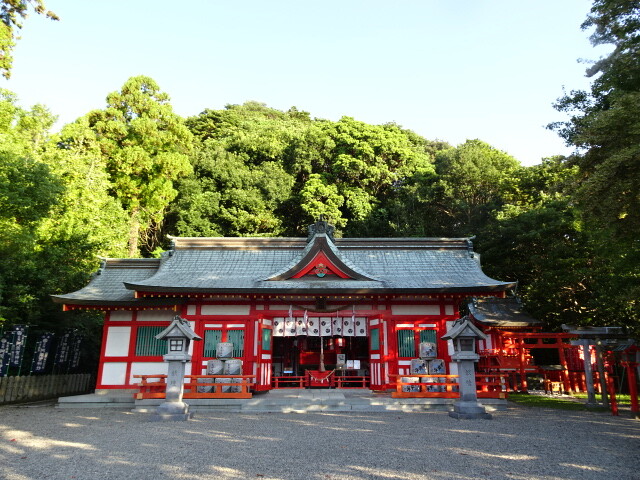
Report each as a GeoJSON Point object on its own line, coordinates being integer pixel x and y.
{"type": "Point", "coordinates": [464, 335]}
{"type": "Point", "coordinates": [178, 336]}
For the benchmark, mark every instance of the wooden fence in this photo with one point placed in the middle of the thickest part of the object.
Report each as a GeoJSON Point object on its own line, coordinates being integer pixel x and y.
{"type": "Point", "coordinates": [42, 387]}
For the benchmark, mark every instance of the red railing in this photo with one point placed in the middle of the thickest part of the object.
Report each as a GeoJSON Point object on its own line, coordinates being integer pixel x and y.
{"type": "Point", "coordinates": [314, 380]}
{"type": "Point", "coordinates": [197, 386]}
{"type": "Point", "coordinates": [446, 386]}
{"type": "Point", "coordinates": [491, 385]}
{"type": "Point", "coordinates": [289, 382]}
{"type": "Point", "coordinates": [349, 381]}
{"type": "Point", "coordinates": [427, 386]}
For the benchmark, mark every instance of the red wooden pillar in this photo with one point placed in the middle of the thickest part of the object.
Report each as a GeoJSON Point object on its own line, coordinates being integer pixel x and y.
{"type": "Point", "coordinates": [612, 395]}
{"type": "Point", "coordinates": [523, 375]}
{"type": "Point", "coordinates": [633, 387]}
{"type": "Point", "coordinates": [563, 362]}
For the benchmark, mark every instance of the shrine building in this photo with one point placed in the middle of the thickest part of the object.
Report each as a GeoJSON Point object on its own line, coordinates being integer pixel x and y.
{"type": "Point", "coordinates": [364, 304]}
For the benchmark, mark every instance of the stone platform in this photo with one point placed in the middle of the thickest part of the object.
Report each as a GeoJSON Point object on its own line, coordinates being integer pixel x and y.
{"type": "Point", "coordinates": [281, 401]}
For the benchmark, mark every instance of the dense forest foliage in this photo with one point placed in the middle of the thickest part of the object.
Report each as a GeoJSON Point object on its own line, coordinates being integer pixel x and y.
{"type": "Point", "coordinates": [117, 181]}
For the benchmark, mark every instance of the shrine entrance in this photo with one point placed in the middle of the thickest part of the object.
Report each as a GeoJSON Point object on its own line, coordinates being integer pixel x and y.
{"type": "Point", "coordinates": [325, 362]}
{"type": "Point", "coordinates": [320, 351]}
{"type": "Point", "coordinates": [294, 355]}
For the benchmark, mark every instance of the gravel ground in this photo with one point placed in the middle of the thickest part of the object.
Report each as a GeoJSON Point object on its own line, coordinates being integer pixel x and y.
{"type": "Point", "coordinates": [520, 443]}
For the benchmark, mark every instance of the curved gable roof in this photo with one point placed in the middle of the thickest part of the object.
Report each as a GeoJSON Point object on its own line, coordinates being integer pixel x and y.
{"type": "Point", "coordinates": [407, 265]}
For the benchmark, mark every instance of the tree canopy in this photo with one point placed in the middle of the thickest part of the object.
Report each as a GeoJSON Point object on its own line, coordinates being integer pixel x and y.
{"type": "Point", "coordinates": [145, 147]}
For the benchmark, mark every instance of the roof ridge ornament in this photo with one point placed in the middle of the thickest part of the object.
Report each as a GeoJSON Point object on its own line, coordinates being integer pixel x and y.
{"type": "Point", "coordinates": [469, 241]}
{"type": "Point", "coordinates": [321, 227]}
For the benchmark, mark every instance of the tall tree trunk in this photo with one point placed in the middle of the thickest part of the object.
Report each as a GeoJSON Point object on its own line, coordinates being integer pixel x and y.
{"type": "Point", "coordinates": [134, 232]}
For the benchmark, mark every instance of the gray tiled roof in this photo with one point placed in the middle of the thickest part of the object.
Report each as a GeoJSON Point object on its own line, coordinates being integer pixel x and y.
{"type": "Point", "coordinates": [398, 265]}
{"type": "Point", "coordinates": [107, 284]}
{"type": "Point", "coordinates": [501, 312]}
{"type": "Point", "coordinates": [243, 265]}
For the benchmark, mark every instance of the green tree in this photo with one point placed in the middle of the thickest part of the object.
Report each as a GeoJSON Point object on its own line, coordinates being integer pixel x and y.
{"type": "Point", "coordinates": [229, 196]}
{"type": "Point", "coordinates": [27, 192]}
{"type": "Point", "coordinates": [604, 123]}
{"type": "Point", "coordinates": [604, 126]}
{"type": "Point", "coordinates": [13, 13]}
{"type": "Point", "coordinates": [368, 164]}
{"type": "Point", "coordinates": [538, 239]}
{"type": "Point", "coordinates": [469, 184]}
{"type": "Point", "coordinates": [86, 212]}
{"type": "Point", "coordinates": [354, 166]}
{"type": "Point", "coordinates": [145, 146]}
{"type": "Point", "coordinates": [322, 198]}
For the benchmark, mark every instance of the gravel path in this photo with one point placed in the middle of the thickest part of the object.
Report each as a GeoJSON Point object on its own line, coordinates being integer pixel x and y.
{"type": "Point", "coordinates": [520, 443]}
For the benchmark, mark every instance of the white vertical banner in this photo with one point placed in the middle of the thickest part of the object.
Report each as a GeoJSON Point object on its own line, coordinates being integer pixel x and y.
{"type": "Point", "coordinates": [313, 328]}
{"type": "Point", "coordinates": [337, 325]}
{"type": "Point", "coordinates": [301, 325]}
{"type": "Point", "coordinates": [361, 327]}
{"type": "Point", "coordinates": [290, 327]}
{"type": "Point", "coordinates": [325, 326]}
{"type": "Point", "coordinates": [278, 327]}
{"type": "Point", "coordinates": [347, 327]}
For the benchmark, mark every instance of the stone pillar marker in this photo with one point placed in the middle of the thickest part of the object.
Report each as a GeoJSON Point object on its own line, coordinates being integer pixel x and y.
{"type": "Point", "coordinates": [178, 336]}
{"type": "Point", "coordinates": [464, 335]}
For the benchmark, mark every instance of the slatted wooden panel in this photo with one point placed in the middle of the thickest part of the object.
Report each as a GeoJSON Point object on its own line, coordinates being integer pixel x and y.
{"type": "Point", "coordinates": [147, 345]}
{"type": "Point", "coordinates": [428, 336]}
{"type": "Point", "coordinates": [237, 338]}
{"type": "Point", "coordinates": [32, 388]}
{"type": "Point", "coordinates": [211, 339]}
{"type": "Point", "coordinates": [406, 343]}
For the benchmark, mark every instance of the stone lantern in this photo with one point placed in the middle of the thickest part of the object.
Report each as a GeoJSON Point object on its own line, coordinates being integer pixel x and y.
{"type": "Point", "coordinates": [464, 335]}
{"type": "Point", "coordinates": [178, 335]}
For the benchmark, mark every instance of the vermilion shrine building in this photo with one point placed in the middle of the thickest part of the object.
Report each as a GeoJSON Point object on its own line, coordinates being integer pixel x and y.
{"type": "Point", "coordinates": [370, 301]}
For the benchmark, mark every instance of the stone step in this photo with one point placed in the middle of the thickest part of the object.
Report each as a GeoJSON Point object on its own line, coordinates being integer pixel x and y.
{"type": "Point", "coordinates": [279, 401]}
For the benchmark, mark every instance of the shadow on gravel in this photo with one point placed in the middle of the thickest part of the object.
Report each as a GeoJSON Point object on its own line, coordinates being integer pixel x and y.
{"type": "Point", "coordinates": [521, 443]}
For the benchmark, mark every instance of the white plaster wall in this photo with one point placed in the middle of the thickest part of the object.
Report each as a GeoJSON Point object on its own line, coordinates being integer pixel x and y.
{"type": "Point", "coordinates": [225, 309]}
{"type": "Point", "coordinates": [363, 307]}
{"type": "Point", "coordinates": [117, 341]}
{"type": "Point", "coordinates": [415, 309]}
{"type": "Point", "coordinates": [282, 307]}
{"type": "Point", "coordinates": [191, 309]}
{"type": "Point", "coordinates": [156, 315]}
{"type": "Point", "coordinates": [121, 316]}
{"type": "Point", "coordinates": [147, 368]}
{"type": "Point", "coordinates": [113, 373]}
{"type": "Point", "coordinates": [448, 310]}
